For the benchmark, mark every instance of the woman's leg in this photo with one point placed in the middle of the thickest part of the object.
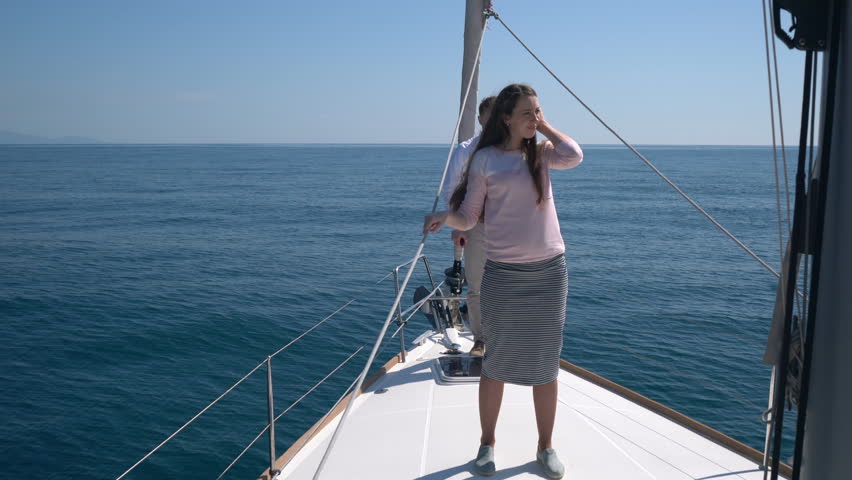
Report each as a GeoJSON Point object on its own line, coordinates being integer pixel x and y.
{"type": "Point", "coordinates": [490, 399]}
{"type": "Point", "coordinates": [544, 399]}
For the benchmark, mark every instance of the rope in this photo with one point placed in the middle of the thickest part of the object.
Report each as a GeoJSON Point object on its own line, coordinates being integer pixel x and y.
{"type": "Point", "coordinates": [641, 157]}
{"type": "Point", "coordinates": [407, 275]}
{"type": "Point", "coordinates": [266, 428]}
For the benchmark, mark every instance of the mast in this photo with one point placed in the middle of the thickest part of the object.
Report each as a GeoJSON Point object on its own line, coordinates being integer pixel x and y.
{"type": "Point", "coordinates": [473, 25]}
{"type": "Point", "coordinates": [828, 430]}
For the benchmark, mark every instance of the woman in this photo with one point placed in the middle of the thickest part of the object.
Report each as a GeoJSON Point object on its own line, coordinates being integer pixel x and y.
{"type": "Point", "coordinates": [525, 284]}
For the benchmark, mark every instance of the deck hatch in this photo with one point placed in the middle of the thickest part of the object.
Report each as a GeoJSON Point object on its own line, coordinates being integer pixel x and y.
{"type": "Point", "coordinates": [457, 369]}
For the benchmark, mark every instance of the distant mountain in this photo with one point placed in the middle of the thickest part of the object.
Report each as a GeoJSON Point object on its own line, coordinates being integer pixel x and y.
{"type": "Point", "coordinates": [7, 137]}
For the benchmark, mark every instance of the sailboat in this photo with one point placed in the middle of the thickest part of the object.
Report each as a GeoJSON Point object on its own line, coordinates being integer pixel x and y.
{"type": "Point", "coordinates": [415, 417]}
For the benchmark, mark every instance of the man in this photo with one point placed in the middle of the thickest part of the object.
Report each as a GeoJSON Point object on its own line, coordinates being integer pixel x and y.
{"type": "Point", "coordinates": [473, 240]}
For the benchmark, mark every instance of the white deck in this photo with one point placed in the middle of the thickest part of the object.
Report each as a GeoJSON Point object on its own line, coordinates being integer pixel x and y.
{"type": "Point", "coordinates": [419, 429]}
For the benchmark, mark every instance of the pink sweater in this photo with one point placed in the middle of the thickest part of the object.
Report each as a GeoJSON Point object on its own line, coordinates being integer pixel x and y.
{"type": "Point", "coordinates": [516, 229]}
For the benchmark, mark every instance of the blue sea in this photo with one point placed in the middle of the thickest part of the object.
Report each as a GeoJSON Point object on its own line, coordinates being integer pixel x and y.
{"type": "Point", "coordinates": [138, 283]}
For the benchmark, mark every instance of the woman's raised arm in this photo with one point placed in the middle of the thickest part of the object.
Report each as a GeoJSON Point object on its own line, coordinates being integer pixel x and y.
{"type": "Point", "coordinates": [560, 151]}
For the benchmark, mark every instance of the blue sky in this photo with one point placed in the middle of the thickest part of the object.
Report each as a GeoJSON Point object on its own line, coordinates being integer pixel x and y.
{"type": "Point", "coordinates": [661, 72]}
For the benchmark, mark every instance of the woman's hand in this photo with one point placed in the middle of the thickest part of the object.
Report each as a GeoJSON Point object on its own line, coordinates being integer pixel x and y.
{"type": "Point", "coordinates": [459, 238]}
{"type": "Point", "coordinates": [434, 221]}
{"type": "Point", "coordinates": [555, 136]}
{"type": "Point", "coordinates": [541, 125]}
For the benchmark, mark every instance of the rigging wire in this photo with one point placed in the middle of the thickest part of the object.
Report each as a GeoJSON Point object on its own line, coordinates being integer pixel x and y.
{"type": "Point", "coordinates": [437, 198]}
{"type": "Point", "coordinates": [405, 281]}
{"type": "Point", "coordinates": [636, 152]}
{"type": "Point", "coordinates": [307, 437]}
{"type": "Point", "coordinates": [190, 421]}
{"type": "Point", "coordinates": [241, 381]}
{"type": "Point", "coordinates": [266, 428]}
{"type": "Point", "coordinates": [350, 302]}
{"type": "Point", "coordinates": [766, 35]}
{"type": "Point", "coordinates": [781, 133]}
{"type": "Point", "coordinates": [836, 12]}
{"type": "Point", "coordinates": [800, 306]}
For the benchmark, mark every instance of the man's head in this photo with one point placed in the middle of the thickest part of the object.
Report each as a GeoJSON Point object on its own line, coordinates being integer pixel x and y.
{"type": "Point", "coordinates": [485, 109]}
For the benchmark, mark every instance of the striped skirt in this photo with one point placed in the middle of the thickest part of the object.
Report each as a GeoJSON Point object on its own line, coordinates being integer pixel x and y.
{"type": "Point", "coordinates": [523, 312]}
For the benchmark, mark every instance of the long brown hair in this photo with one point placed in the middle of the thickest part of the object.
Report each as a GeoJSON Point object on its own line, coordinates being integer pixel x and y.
{"type": "Point", "coordinates": [496, 132]}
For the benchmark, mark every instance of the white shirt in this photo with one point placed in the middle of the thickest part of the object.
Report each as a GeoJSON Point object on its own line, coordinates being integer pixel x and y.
{"type": "Point", "coordinates": [458, 162]}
